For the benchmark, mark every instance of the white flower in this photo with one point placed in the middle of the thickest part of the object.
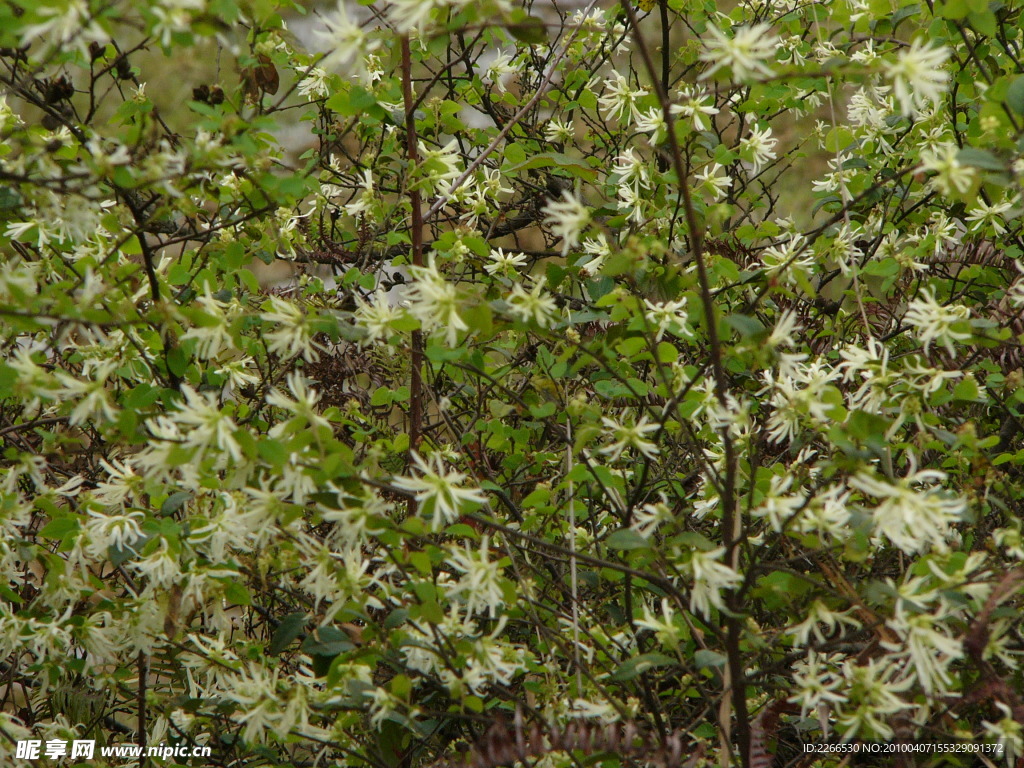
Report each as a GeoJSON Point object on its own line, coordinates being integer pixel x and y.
{"type": "Point", "coordinates": [1008, 732]}
{"type": "Point", "coordinates": [872, 690]}
{"type": "Point", "coordinates": [212, 334]}
{"type": "Point", "coordinates": [650, 517]}
{"type": "Point", "coordinates": [498, 69]}
{"type": "Point", "coordinates": [990, 216]}
{"type": "Point", "coordinates": [362, 204]}
{"type": "Point", "coordinates": [210, 426]}
{"type": "Point", "coordinates": [711, 183]}
{"type": "Point", "coordinates": [784, 332]}
{"type": "Point", "coordinates": [558, 132]}
{"type": "Point", "coordinates": [313, 84]}
{"type": "Point", "coordinates": [934, 322]}
{"type": "Point", "coordinates": [347, 41]}
{"type": "Point", "coordinates": [480, 587]}
{"type": "Point", "coordinates": [440, 165]}
{"type": "Point", "coordinates": [745, 53]}
{"type": "Point", "coordinates": [918, 76]}
{"type": "Point", "coordinates": [504, 262]}
{"type": "Point", "coordinates": [758, 148]}
{"type": "Point", "coordinates": [65, 23]}
{"type": "Point", "coordinates": [912, 512]}
{"type": "Point", "coordinates": [951, 174]}
{"type": "Point", "coordinates": [790, 260]}
{"type": "Point", "coordinates": [696, 105]}
{"type": "Point", "coordinates": [666, 630]}
{"type": "Point", "coordinates": [113, 531]}
{"type": "Point", "coordinates": [816, 683]}
{"type": "Point", "coordinates": [567, 218]}
{"type": "Point", "coordinates": [121, 484]}
{"type": "Point", "coordinates": [288, 331]}
{"type": "Point", "coordinates": [439, 492]}
{"type": "Point", "coordinates": [652, 121]}
{"type": "Point", "coordinates": [668, 316]}
{"type": "Point", "coordinates": [434, 302]}
{"type": "Point", "coordinates": [929, 649]}
{"type": "Point", "coordinates": [301, 404]}
{"type": "Point", "coordinates": [410, 15]}
{"type": "Point", "coordinates": [710, 577]}
{"type": "Point", "coordinates": [376, 315]}
{"type": "Point", "coordinates": [536, 305]}
{"type": "Point", "coordinates": [631, 169]}
{"type": "Point", "coordinates": [819, 615]}
{"type": "Point", "coordinates": [619, 100]}
{"type": "Point", "coordinates": [629, 436]}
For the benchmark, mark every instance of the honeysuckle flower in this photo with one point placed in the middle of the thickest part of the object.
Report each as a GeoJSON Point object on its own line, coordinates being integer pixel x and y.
{"type": "Point", "coordinates": [758, 147]}
{"type": "Point", "coordinates": [650, 517]}
{"type": "Point", "coordinates": [872, 698]}
{"type": "Point", "coordinates": [375, 315]}
{"type": "Point", "coordinates": [990, 217]}
{"type": "Point", "coordinates": [667, 630]}
{"type": "Point", "coordinates": [480, 588]}
{"type": "Point", "coordinates": [629, 436]}
{"type": "Point", "coordinates": [1008, 732]}
{"type": "Point", "coordinates": [289, 331]}
{"type": "Point", "coordinates": [567, 218]}
{"type": "Point", "coordinates": [912, 512]}
{"type": "Point", "coordinates": [652, 121]}
{"type": "Point", "coordinates": [535, 305]}
{"type": "Point", "coordinates": [696, 105]}
{"type": "Point", "coordinates": [434, 302]}
{"type": "Point", "coordinates": [557, 131]}
{"type": "Point", "coordinates": [918, 76]}
{"type": "Point", "coordinates": [817, 683]}
{"type": "Point", "coordinates": [745, 53]}
{"type": "Point", "coordinates": [347, 42]}
{"type": "Point", "coordinates": [951, 176]}
{"type": "Point", "coordinates": [668, 316]}
{"type": "Point", "coordinates": [619, 99]}
{"type": "Point", "coordinates": [503, 263]}
{"type": "Point", "coordinates": [439, 492]}
{"type": "Point", "coordinates": [710, 578]}
{"type": "Point", "coordinates": [711, 183]}
{"type": "Point", "coordinates": [823, 623]}
{"type": "Point", "coordinates": [313, 84]}
{"type": "Point", "coordinates": [935, 322]}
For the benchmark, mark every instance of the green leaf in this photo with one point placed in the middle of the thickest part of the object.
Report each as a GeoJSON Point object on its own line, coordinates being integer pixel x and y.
{"type": "Point", "coordinates": [626, 538]}
{"type": "Point", "coordinates": [174, 502]}
{"type": "Point", "coordinates": [966, 389]}
{"type": "Point", "coordinates": [530, 30]}
{"type": "Point", "coordinates": [639, 664]}
{"type": "Point", "coordinates": [1015, 95]}
{"type": "Point", "coordinates": [235, 592]}
{"type": "Point", "coordinates": [704, 659]}
{"type": "Point", "coordinates": [980, 158]}
{"type": "Point", "coordinates": [288, 629]}
{"type": "Point", "coordinates": [60, 528]}
{"type": "Point", "coordinates": [746, 325]}
{"type": "Point", "coordinates": [326, 641]}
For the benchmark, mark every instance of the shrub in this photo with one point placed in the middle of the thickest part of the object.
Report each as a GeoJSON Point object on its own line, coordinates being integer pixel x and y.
{"type": "Point", "coordinates": [646, 384]}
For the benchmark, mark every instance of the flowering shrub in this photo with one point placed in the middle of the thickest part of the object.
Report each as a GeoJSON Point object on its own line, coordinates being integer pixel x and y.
{"type": "Point", "coordinates": [647, 383]}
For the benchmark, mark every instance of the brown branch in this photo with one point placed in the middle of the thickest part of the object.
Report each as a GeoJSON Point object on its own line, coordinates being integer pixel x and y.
{"type": "Point", "coordinates": [416, 383]}
{"type": "Point", "coordinates": [731, 522]}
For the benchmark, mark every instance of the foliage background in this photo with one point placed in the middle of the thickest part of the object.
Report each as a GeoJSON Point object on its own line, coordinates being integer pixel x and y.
{"type": "Point", "coordinates": [646, 387]}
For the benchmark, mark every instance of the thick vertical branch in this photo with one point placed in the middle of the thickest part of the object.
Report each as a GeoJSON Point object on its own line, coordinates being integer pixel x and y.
{"type": "Point", "coordinates": [732, 525]}
{"type": "Point", "coordinates": [416, 383]}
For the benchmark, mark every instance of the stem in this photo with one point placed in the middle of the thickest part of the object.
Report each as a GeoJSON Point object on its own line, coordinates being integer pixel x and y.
{"type": "Point", "coordinates": [416, 383]}
{"type": "Point", "coordinates": [143, 673]}
{"type": "Point", "coordinates": [732, 525]}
